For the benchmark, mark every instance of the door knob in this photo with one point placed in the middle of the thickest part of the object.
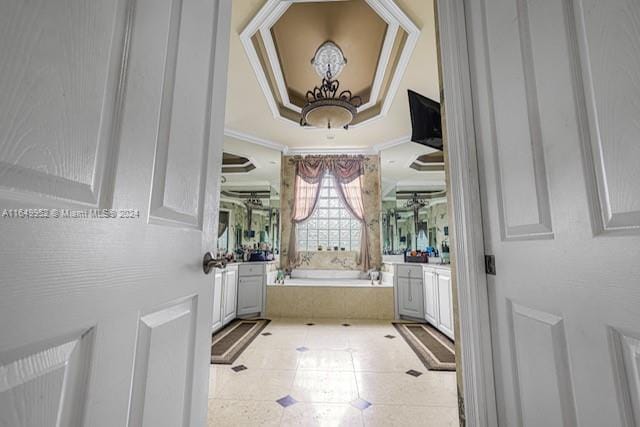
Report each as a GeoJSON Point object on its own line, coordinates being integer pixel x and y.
{"type": "Point", "coordinates": [209, 263]}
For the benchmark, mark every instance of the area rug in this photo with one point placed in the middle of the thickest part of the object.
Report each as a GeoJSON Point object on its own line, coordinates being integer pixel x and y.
{"type": "Point", "coordinates": [435, 350]}
{"type": "Point", "coordinates": [232, 340]}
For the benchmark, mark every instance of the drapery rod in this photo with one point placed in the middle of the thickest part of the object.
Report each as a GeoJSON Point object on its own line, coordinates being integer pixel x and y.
{"type": "Point", "coordinates": [299, 158]}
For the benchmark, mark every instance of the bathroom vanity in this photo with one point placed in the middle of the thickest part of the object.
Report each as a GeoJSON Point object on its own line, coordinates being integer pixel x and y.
{"type": "Point", "coordinates": [422, 292]}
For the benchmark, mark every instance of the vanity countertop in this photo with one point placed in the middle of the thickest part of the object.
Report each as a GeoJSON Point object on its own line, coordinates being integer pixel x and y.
{"type": "Point", "coordinates": [436, 265]}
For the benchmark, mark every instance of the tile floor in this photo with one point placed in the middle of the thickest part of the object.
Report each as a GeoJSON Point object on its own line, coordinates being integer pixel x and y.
{"type": "Point", "coordinates": [327, 374]}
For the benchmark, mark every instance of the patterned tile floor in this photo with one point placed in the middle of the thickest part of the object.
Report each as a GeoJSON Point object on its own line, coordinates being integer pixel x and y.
{"type": "Point", "coordinates": [348, 376]}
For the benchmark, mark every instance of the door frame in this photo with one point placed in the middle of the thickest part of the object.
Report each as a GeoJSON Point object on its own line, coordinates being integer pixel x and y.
{"type": "Point", "coordinates": [463, 192]}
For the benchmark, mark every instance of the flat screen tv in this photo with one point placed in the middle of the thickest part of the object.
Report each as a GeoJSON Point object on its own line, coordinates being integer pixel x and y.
{"type": "Point", "coordinates": [426, 127]}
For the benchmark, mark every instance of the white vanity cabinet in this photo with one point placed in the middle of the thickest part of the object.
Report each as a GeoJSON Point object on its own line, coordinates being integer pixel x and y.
{"type": "Point", "coordinates": [445, 303]}
{"type": "Point", "coordinates": [423, 291]}
{"type": "Point", "coordinates": [430, 279]}
{"type": "Point", "coordinates": [225, 296]}
{"type": "Point", "coordinates": [252, 278]}
{"type": "Point", "coordinates": [438, 300]}
{"type": "Point", "coordinates": [230, 294]}
{"type": "Point", "coordinates": [409, 291]}
{"type": "Point", "coordinates": [218, 297]}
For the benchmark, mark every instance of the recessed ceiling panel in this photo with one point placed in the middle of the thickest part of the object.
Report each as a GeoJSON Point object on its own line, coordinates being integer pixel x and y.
{"type": "Point", "coordinates": [352, 25]}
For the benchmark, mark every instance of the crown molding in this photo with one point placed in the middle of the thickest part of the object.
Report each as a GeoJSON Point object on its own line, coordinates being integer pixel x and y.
{"type": "Point", "coordinates": [285, 149]}
{"type": "Point", "coordinates": [255, 140]}
{"type": "Point", "coordinates": [330, 150]}
{"type": "Point", "coordinates": [392, 143]}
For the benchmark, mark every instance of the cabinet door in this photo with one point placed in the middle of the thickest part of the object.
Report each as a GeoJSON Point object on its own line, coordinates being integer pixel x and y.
{"type": "Point", "coordinates": [410, 297]}
{"type": "Point", "coordinates": [250, 295]}
{"type": "Point", "coordinates": [445, 305]}
{"type": "Point", "coordinates": [430, 279]}
{"type": "Point", "coordinates": [216, 317]}
{"type": "Point", "coordinates": [230, 295]}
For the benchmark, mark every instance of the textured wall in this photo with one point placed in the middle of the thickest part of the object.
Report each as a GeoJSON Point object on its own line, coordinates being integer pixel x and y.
{"type": "Point", "coordinates": [334, 260]}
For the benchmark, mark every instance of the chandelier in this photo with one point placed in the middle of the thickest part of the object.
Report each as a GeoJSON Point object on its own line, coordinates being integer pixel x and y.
{"type": "Point", "coordinates": [416, 202]}
{"type": "Point", "coordinates": [253, 201]}
{"type": "Point", "coordinates": [325, 106]}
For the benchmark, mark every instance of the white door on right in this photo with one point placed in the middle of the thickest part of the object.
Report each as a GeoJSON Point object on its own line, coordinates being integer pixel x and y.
{"type": "Point", "coordinates": [556, 88]}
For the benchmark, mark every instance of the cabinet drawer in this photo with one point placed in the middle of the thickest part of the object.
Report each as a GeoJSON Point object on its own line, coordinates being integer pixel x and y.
{"type": "Point", "coordinates": [412, 271]}
{"type": "Point", "coordinates": [251, 269]}
{"type": "Point", "coordinates": [251, 280]}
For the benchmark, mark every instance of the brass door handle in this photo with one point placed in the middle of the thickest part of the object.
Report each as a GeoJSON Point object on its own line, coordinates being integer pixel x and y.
{"type": "Point", "coordinates": [209, 263]}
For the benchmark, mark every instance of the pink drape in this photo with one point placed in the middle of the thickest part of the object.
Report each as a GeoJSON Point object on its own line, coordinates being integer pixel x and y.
{"type": "Point", "coordinates": [348, 174]}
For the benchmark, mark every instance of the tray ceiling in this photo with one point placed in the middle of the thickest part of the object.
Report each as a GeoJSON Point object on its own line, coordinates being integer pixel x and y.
{"type": "Point", "coordinates": [270, 69]}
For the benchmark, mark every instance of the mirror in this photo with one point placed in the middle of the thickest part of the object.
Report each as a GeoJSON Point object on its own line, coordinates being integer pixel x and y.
{"type": "Point", "coordinates": [414, 220]}
{"type": "Point", "coordinates": [249, 219]}
{"type": "Point", "coordinates": [414, 204]}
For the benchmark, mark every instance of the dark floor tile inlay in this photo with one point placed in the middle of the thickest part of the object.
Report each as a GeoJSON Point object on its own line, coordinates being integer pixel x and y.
{"type": "Point", "coordinates": [390, 336]}
{"type": "Point", "coordinates": [266, 334]}
{"type": "Point", "coordinates": [239, 368]}
{"type": "Point", "coordinates": [413, 373]}
{"type": "Point", "coordinates": [346, 324]}
{"type": "Point", "coordinates": [309, 324]}
{"type": "Point", "coordinates": [302, 349]}
{"type": "Point", "coordinates": [360, 404]}
{"type": "Point", "coordinates": [286, 401]}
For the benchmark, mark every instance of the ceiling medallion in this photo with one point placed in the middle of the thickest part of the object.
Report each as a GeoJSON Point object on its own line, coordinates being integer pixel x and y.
{"type": "Point", "coordinates": [328, 57]}
{"type": "Point", "coordinates": [325, 107]}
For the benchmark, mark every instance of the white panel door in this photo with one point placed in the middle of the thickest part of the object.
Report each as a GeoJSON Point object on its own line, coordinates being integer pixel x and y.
{"type": "Point", "coordinates": [556, 86]}
{"type": "Point", "coordinates": [110, 150]}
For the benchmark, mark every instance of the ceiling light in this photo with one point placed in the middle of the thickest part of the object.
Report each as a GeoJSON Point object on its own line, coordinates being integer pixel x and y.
{"type": "Point", "coordinates": [325, 107]}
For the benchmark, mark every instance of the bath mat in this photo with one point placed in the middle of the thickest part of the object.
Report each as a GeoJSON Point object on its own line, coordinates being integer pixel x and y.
{"type": "Point", "coordinates": [232, 340]}
{"type": "Point", "coordinates": [435, 350]}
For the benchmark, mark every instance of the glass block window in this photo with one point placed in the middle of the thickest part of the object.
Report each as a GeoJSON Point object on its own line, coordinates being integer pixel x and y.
{"type": "Point", "coordinates": [331, 225]}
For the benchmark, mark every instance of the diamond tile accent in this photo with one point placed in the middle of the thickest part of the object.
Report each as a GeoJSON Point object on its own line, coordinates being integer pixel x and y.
{"type": "Point", "coordinates": [390, 336]}
{"type": "Point", "coordinates": [309, 324]}
{"type": "Point", "coordinates": [346, 324]}
{"type": "Point", "coordinates": [266, 334]}
{"type": "Point", "coordinates": [360, 404]}
{"type": "Point", "coordinates": [286, 401]}
{"type": "Point", "coordinates": [301, 349]}
{"type": "Point", "coordinates": [239, 368]}
{"type": "Point", "coordinates": [413, 373]}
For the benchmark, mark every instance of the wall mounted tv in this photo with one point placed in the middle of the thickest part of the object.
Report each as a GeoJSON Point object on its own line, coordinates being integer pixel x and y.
{"type": "Point", "coordinates": [426, 127]}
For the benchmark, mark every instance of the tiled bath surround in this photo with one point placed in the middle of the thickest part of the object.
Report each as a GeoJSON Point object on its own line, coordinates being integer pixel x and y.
{"type": "Point", "coordinates": [318, 302]}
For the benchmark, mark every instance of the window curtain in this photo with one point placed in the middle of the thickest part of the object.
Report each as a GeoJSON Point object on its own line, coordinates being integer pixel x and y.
{"type": "Point", "coordinates": [348, 174]}
{"type": "Point", "coordinates": [306, 190]}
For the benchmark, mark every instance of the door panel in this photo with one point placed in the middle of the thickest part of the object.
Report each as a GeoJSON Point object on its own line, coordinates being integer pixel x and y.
{"type": "Point", "coordinates": [520, 166]}
{"type": "Point", "coordinates": [59, 98]}
{"type": "Point", "coordinates": [230, 295]}
{"type": "Point", "coordinates": [430, 297]}
{"type": "Point", "coordinates": [218, 297]}
{"type": "Point", "coordinates": [249, 295]}
{"type": "Point", "coordinates": [53, 374]}
{"type": "Point", "coordinates": [163, 374]}
{"type": "Point", "coordinates": [92, 93]}
{"type": "Point", "coordinates": [609, 48]}
{"type": "Point", "coordinates": [410, 297]}
{"type": "Point", "coordinates": [563, 297]}
{"type": "Point", "coordinates": [445, 314]}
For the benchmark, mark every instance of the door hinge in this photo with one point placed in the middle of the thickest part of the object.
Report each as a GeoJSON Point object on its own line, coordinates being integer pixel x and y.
{"type": "Point", "coordinates": [490, 264]}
